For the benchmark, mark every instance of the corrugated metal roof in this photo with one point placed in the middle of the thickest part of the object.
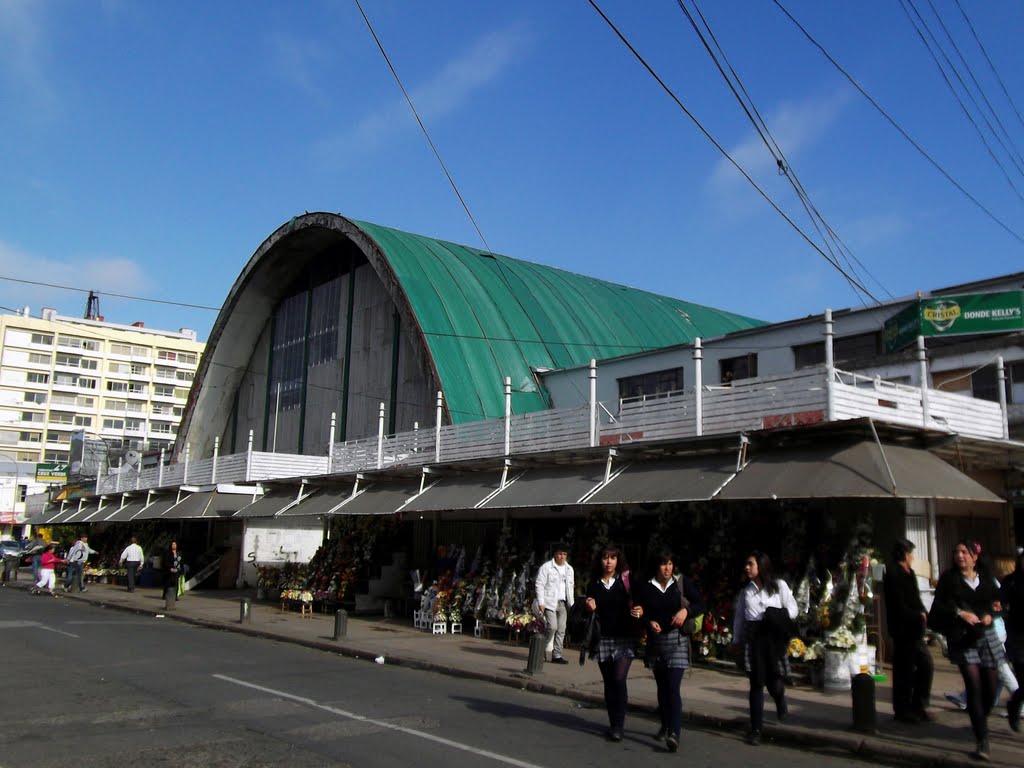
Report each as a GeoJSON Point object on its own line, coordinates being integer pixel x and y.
{"type": "Point", "coordinates": [486, 316]}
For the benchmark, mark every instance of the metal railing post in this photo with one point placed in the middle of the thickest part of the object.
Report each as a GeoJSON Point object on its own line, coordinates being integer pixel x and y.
{"type": "Point", "coordinates": [593, 402]}
{"type": "Point", "coordinates": [184, 476]}
{"type": "Point", "coordinates": [216, 455]}
{"type": "Point", "coordinates": [437, 427]}
{"type": "Point", "coordinates": [120, 467]}
{"type": "Point", "coordinates": [508, 415]}
{"type": "Point", "coordinates": [830, 368]}
{"type": "Point", "coordinates": [1001, 381]}
{"type": "Point", "coordinates": [160, 470]}
{"type": "Point", "coordinates": [248, 457]}
{"type": "Point", "coordinates": [380, 437]}
{"type": "Point", "coordinates": [922, 361]}
{"type": "Point", "coordinates": [330, 443]}
{"type": "Point", "coordinates": [698, 386]}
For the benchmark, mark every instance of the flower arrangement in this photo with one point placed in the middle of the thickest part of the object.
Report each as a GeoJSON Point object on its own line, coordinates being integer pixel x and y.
{"type": "Point", "coordinates": [841, 640]}
{"type": "Point", "coordinates": [814, 652]}
{"type": "Point", "coordinates": [797, 649]}
{"type": "Point", "coordinates": [298, 595]}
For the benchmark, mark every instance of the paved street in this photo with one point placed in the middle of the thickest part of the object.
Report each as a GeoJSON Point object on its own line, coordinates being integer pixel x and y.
{"type": "Point", "coordinates": [112, 688]}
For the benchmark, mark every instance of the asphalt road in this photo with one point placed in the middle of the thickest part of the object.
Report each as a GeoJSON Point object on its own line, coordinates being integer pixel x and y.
{"type": "Point", "coordinates": [98, 688]}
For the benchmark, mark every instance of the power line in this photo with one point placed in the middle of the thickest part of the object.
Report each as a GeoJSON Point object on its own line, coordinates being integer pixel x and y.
{"type": "Point", "coordinates": [853, 281]}
{"type": "Point", "coordinates": [935, 164]}
{"type": "Point", "coordinates": [423, 128]}
{"type": "Point", "coordinates": [992, 66]}
{"type": "Point", "coordinates": [113, 295]}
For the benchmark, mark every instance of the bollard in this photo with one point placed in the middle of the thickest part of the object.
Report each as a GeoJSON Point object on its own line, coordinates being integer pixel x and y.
{"type": "Point", "coordinates": [170, 597]}
{"type": "Point", "coordinates": [535, 661]}
{"type": "Point", "coordinates": [245, 611]}
{"type": "Point", "coordinates": [340, 624]}
{"type": "Point", "coordinates": [862, 691]}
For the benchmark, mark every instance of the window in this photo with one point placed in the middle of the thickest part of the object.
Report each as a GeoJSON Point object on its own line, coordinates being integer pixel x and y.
{"type": "Point", "coordinates": [121, 349]}
{"type": "Point", "coordinates": [62, 418]}
{"type": "Point", "coordinates": [163, 390]}
{"type": "Point", "coordinates": [323, 322]}
{"type": "Point", "coordinates": [166, 354]}
{"type": "Point", "coordinates": [184, 375]}
{"type": "Point", "coordinates": [76, 342]}
{"type": "Point", "coordinates": [44, 339]}
{"type": "Point", "coordinates": [137, 389]}
{"type": "Point", "coordinates": [114, 405]}
{"type": "Point", "coordinates": [134, 425]}
{"type": "Point", "coordinates": [117, 386]}
{"type": "Point", "coordinates": [144, 352]}
{"type": "Point", "coordinates": [117, 424]}
{"type": "Point", "coordinates": [22, 493]}
{"type": "Point", "coordinates": [180, 394]}
{"type": "Point", "coordinates": [658, 383]}
{"type": "Point", "coordinates": [83, 421]}
{"type": "Point", "coordinates": [38, 358]}
{"type": "Point", "coordinates": [39, 398]}
{"type": "Point", "coordinates": [743, 367]}
{"type": "Point", "coordinates": [121, 368]}
{"type": "Point", "coordinates": [165, 373]}
{"type": "Point", "coordinates": [985, 382]}
{"type": "Point", "coordinates": [52, 436]}
{"type": "Point", "coordinates": [86, 383]}
{"type": "Point", "coordinates": [30, 437]}
{"type": "Point", "coordinates": [138, 369]}
{"type": "Point", "coordinates": [32, 416]}
{"type": "Point", "coordinates": [844, 348]}
{"type": "Point", "coordinates": [56, 456]}
{"type": "Point", "coordinates": [287, 351]}
{"type": "Point", "coordinates": [37, 378]}
{"type": "Point", "coordinates": [161, 428]}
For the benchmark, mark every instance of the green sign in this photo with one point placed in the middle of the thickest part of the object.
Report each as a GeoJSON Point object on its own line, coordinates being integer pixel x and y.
{"type": "Point", "coordinates": [51, 473]}
{"type": "Point", "coordinates": [955, 315]}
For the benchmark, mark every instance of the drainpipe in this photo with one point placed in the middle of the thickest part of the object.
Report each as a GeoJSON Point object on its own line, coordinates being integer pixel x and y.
{"type": "Point", "coordinates": [1001, 381]}
{"type": "Point", "coordinates": [922, 360]}
{"type": "Point", "coordinates": [830, 368]}
{"type": "Point", "coordinates": [698, 386]}
{"type": "Point", "coordinates": [437, 428]}
{"type": "Point", "coordinates": [380, 437]}
{"type": "Point", "coordinates": [508, 415]}
{"type": "Point", "coordinates": [593, 402]}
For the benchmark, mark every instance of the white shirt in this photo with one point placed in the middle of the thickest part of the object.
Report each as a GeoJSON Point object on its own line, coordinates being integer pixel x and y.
{"type": "Point", "coordinates": [753, 602]}
{"type": "Point", "coordinates": [132, 553]}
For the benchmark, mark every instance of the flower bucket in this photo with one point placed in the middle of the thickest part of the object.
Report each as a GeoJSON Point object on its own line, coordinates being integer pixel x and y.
{"type": "Point", "coordinates": [837, 671]}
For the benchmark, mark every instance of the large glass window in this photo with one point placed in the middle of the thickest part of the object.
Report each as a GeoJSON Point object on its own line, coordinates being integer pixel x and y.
{"type": "Point", "coordinates": [658, 383]}
{"type": "Point", "coordinates": [743, 367]}
{"type": "Point", "coordinates": [289, 339]}
{"type": "Point", "coordinates": [323, 322]}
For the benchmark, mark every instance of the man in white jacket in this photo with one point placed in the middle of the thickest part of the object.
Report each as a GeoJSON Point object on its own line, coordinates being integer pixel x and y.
{"type": "Point", "coordinates": [555, 588]}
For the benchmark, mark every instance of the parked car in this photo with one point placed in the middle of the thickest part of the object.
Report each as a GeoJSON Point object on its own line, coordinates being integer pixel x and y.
{"type": "Point", "coordinates": [12, 548]}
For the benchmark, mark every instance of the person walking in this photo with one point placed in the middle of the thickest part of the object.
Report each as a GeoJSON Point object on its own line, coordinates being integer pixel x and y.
{"type": "Point", "coordinates": [37, 547]}
{"type": "Point", "coordinates": [1012, 596]}
{"type": "Point", "coordinates": [554, 588]}
{"type": "Point", "coordinates": [132, 558]}
{"type": "Point", "coordinates": [963, 610]}
{"type": "Point", "coordinates": [609, 596]}
{"type": "Point", "coordinates": [174, 569]}
{"type": "Point", "coordinates": [78, 556]}
{"type": "Point", "coordinates": [667, 601]}
{"type": "Point", "coordinates": [760, 627]}
{"type": "Point", "coordinates": [48, 562]}
{"type": "Point", "coordinates": [912, 667]}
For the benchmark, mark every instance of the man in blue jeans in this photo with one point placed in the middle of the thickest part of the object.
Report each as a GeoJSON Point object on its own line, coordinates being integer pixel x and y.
{"type": "Point", "coordinates": [78, 556]}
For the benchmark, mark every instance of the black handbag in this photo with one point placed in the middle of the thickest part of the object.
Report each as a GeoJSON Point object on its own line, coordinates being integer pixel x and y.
{"type": "Point", "coordinates": [591, 638]}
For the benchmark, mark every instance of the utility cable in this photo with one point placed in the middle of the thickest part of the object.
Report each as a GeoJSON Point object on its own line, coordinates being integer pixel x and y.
{"type": "Point", "coordinates": [113, 295]}
{"type": "Point", "coordinates": [991, 66]}
{"type": "Point", "coordinates": [853, 281]}
{"type": "Point", "coordinates": [423, 128]}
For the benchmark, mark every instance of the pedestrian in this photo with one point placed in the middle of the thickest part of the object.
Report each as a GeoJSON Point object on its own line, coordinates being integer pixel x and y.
{"type": "Point", "coordinates": [554, 588]}
{"type": "Point", "coordinates": [173, 573]}
{"type": "Point", "coordinates": [48, 561]}
{"type": "Point", "coordinates": [963, 611]}
{"type": "Point", "coordinates": [667, 602]}
{"type": "Point", "coordinates": [132, 558]}
{"type": "Point", "coordinates": [912, 667]}
{"type": "Point", "coordinates": [37, 547]}
{"type": "Point", "coordinates": [1012, 595]}
{"type": "Point", "coordinates": [760, 626]}
{"type": "Point", "coordinates": [78, 556]}
{"type": "Point", "coordinates": [609, 596]}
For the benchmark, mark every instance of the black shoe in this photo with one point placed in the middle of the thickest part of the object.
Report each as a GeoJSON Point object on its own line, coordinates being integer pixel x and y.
{"type": "Point", "coordinates": [672, 742]}
{"type": "Point", "coordinates": [754, 738]}
{"type": "Point", "coordinates": [982, 752]}
{"type": "Point", "coordinates": [783, 709]}
{"type": "Point", "coordinates": [615, 734]}
{"type": "Point", "coordinates": [906, 717]}
{"type": "Point", "coordinates": [1013, 707]}
{"type": "Point", "coordinates": [661, 734]}
{"type": "Point", "coordinates": [559, 660]}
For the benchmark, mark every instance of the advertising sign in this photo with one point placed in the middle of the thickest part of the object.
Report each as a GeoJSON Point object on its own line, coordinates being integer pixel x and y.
{"type": "Point", "coordinates": [51, 473]}
{"type": "Point", "coordinates": [956, 315]}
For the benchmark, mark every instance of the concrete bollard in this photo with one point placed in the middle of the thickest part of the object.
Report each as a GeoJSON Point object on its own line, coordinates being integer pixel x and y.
{"type": "Point", "coordinates": [340, 624]}
{"type": "Point", "coordinates": [245, 611]}
{"type": "Point", "coordinates": [862, 692]}
{"type": "Point", "coordinates": [535, 661]}
{"type": "Point", "coordinates": [170, 597]}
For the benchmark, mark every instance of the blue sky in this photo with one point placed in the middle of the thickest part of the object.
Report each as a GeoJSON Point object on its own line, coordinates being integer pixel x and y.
{"type": "Point", "coordinates": [151, 147]}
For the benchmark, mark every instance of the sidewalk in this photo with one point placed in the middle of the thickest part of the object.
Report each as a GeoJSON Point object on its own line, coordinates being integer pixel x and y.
{"type": "Point", "coordinates": [712, 698]}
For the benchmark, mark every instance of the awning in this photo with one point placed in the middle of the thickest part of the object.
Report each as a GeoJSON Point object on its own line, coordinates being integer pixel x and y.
{"type": "Point", "coordinates": [696, 478]}
{"type": "Point", "coordinates": [158, 506]}
{"type": "Point", "coordinates": [190, 507]}
{"type": "Point", "coordinates": [323, 502]}
{"type": "Point", "coordinates": [853, 470]}
{"type": "Point", "coordinates": [456, 492]}
{"type": "Point", "coordinates": [87, 509]}
{"type": "Point", "coordinates": [130, 509]}
{"type": "Point", "coordinates": [272, 502]}
{"type": "Point", "coordinates": [42, 518]}
{"type": "Point", "coordinates": [227, 504]}
{"type": "Point", "coordinates": [552, 487]}
{"type": "Point", "coordinates": [382, 498]}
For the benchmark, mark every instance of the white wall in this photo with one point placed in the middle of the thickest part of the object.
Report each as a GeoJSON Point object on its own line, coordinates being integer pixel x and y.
{"type": "Point", "coordinates": [276, 541]}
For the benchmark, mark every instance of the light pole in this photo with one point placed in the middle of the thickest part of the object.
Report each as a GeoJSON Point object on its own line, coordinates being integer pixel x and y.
{"type": "Point", "coordinates": [14, 492]}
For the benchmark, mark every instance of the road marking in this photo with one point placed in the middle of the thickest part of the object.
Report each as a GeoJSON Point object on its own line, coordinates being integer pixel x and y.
{"type": "Point", "coordinates": [16, 624]}
{"type": "Point", "coordinates": [59, 632]}
{"type": "Point", "coordinates": [380, 723]}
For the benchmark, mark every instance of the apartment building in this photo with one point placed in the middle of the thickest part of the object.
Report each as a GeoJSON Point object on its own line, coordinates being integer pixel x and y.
{"type": "Point", "coordinates": [124, 385]}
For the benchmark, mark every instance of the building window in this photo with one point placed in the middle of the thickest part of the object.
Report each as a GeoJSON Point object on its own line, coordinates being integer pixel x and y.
{"type": "Point", "coordinates": [859, 346]}
{"type": "Point", "coordinates": [289, 340]}
{"type": "Point", "coordinates": [138, 369]}
{"type": "Point", "coordinates": [22, 493]}
{"type": "Point", "coordinates": [658, 383]}
{"type": "Point", "coordinates": [117, 424]}
{"type": "Point", "coordinates": [117, 386]}
{"type": "Point", "coordinates": [184, 375]}
{"type": "Point", "coordinates": [43, 339]}
{"type": "Point", "coordinates": [733, 368]}
{"type": "Point", "coordinates": [37, 358]}
{"type": "Point", "coordinates": [83, 421]}
{"type": "Point", "coordinates": [32, 416]}
{"type": "Point", "coordinates": [75, 342]}
{"type": "Point", "coordinates": [37, 378]}
{"type": "Point", "coordinates": [39, 398]}
{"type": "Point", "coordinates": [163, 390]}
{"type": "Point", "coordinates": [56, 456]}
{"type": "Point", "coordinates": [323, 322]}
{"type": "Point", "coordinates": [30, 437]}
{"type": "Point", "coordinates": [121, 349]}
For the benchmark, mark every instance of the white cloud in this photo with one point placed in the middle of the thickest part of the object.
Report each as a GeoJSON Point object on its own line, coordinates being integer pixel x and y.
{"type": "Point", "coordinates": [444, 93]}
{"type": "Point", "coordinates": [23, 52]}
{"type": "Point", "coordinates": [795, 126]}
{"type": "Point", "coordinates": [299, 62]}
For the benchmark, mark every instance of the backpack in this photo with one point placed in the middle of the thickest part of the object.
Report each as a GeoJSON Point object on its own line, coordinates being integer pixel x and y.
{"type": "Point", "coordinates": [692, 623]}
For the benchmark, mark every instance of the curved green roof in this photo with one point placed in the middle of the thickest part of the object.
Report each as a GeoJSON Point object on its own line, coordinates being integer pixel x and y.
{"type": "Point", "coordinates": [486, 316]}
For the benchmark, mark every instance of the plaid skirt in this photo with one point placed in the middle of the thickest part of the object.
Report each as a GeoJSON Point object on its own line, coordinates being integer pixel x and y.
{"type": "Point", "coordinates": [614, 648]}
{"type": "Point", "coordinates": [751, 648]}
{"type": "Point", "coordinates": [669, 649]}
{"type": "Point", "coordinates": [987, 651]}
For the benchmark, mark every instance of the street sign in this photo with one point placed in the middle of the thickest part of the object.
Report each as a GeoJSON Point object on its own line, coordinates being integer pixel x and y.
{"type": "Point", "coordinates": [51, 473]}
{"type": "Point", "coordinates": [955, 315]}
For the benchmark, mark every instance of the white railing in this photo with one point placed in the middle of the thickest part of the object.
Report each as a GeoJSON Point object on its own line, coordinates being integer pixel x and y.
{"type": "Point", "coordinates": [765, 402]}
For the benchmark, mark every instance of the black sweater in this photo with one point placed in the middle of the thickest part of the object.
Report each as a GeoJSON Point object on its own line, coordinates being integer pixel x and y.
{"type": "Point", "coordinates": [1013, 603]}
{"type": "Point", "coordinates": [613, 606]}
{"type": "Point", "coordinates": [904, 610]}
{"type": "Point", "coordinates": [662, 606]}
{"type": "Point", "coordinates": [952, 593]}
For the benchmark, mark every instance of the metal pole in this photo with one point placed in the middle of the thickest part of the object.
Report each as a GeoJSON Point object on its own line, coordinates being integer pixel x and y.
{"type": "Point", "coordinates": [120, 467]}
{"type": "Point", "coordinates": [160, 469]}
{"type": "Point", "coordinates": [1001, 380]}
{"type": "Point", "coordinates": [380, 437]}
{"type": "Point", "coordinates": [216, 455]}
{"type": "Point", "coordinates": [698, 386]}
{"type": "Point", "coordinates": [508, 415]}
{"type": "Point", "coordinates": [248, 457]}
{"type": "Point", "coordinates": [830, 368]}
{"type": "Point", "coordinates": [277, 411]}
{"type": "Point", "coordinates": [330, 443]}
{"type": "Point", "coordinates": [437, 428]}
{"type": "Point", "coordinates": [184, 476]}
{"type": "Point", "coordinates": [593, 402]}
{"type": "Point", "coordinates": [922, 360]}
{"type": "Point", "coordinates": [340, 624]}
{"type": "Point", "coordinates": [245, 611]}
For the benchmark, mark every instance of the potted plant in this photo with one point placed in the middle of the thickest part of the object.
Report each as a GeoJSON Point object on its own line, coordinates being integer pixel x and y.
{"type": "Point", "coordinates": [838, 647]}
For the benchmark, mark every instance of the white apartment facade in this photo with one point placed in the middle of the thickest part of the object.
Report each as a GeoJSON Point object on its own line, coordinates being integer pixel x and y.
{"type": "Point", "coordinates": [125, 385]}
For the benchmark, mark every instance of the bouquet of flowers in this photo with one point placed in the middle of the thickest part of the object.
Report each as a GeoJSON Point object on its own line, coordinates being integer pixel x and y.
{"type": "Point", "coordinates": [797, 649]}
{"type": "Point", "coordinates": [841, 640]}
